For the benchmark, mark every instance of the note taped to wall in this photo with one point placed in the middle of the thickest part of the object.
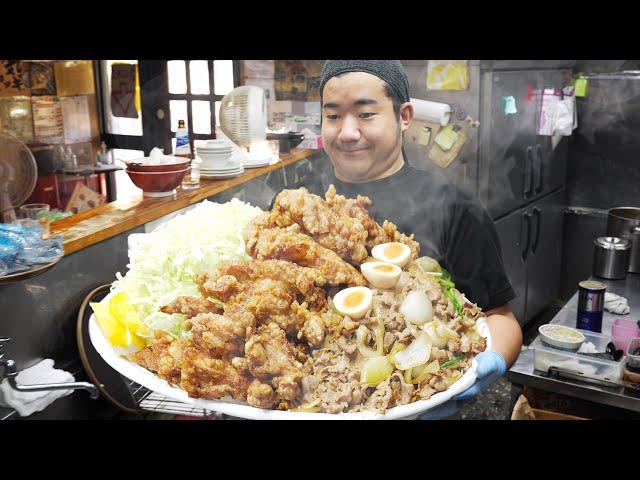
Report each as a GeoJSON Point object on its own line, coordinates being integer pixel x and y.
{"type": "Point", "coordinates": [447, 75]}
{"type": "Point", "coordinates": [444, 158]}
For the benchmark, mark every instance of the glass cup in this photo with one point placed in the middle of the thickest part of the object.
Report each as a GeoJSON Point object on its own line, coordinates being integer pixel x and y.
{"type": "Point", "coordinates": [37, 213]}
{"type": "Point", "coordinates": [191, 177]}
{"type": "Point", "coordinates": [274, 148]}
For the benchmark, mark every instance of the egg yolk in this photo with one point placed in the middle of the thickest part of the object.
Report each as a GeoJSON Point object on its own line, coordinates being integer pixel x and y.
{"type": "Point", "coordinates": [353, 299]}
{"type": "Point", "coordinates": [394, 250]}
{"type": "Point", "coordinates": [384, 268]}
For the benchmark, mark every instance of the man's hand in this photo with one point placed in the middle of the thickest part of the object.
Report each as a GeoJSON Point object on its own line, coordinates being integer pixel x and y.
{"type": "Point", "coordinates": [491, 366]}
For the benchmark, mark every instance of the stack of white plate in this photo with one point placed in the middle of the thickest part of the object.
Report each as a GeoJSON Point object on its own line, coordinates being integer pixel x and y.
{"type": "Point", "coordinates": [258, 162]}
{"type": "Point", "coordinates": [217, 161]}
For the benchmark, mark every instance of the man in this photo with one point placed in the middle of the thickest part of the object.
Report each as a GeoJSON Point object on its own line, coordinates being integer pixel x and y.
{"type": "Point", "coordinates": [365, 110]}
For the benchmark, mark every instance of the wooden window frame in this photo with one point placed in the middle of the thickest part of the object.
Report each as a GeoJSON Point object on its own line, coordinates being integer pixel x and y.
{"type": "Point", "coordinates": [155, 96]}
{"type": "Point", "coordinates": [211, 97]}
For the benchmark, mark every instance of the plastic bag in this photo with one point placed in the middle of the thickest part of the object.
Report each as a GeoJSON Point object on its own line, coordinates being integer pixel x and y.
{"type": "Point", "coordinates": [22, 247]}
{"type": "Point", "coordinates": [563, 118]}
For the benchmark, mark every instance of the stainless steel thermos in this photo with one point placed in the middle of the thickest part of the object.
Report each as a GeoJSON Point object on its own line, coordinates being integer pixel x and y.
{"type": "Point", "coordinates": [611, 257]}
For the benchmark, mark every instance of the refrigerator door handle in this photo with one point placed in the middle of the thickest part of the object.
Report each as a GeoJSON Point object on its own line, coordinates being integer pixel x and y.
{"type": "Point", "coordinates": [528, 172]}
{"type": "Point", "coordinates": [536, 238]}
{"type": "Point", "coordinates": [525, 252]}
{"type": "Point", "coordinates": [538, 155]}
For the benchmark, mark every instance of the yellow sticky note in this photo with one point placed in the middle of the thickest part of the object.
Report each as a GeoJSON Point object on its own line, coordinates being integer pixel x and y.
{"type": "Point", "coordinates": [447, 75]}
{"type": "Point", "coordinates": [581, 85]}
{"type": "Point", "coordinates": [446, 138]}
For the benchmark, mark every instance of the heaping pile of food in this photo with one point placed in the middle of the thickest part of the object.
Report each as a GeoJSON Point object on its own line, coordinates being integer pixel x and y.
{"type": "Point", "coordinates": [330, 312]}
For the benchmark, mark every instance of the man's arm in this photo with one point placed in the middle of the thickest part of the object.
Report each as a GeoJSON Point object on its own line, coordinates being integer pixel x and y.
{"type": "Point", "coordinates": [506, 333]}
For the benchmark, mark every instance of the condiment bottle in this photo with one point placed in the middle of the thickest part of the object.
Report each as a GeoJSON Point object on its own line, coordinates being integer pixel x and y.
{"type": "Point", "coordinates": [183, 148]}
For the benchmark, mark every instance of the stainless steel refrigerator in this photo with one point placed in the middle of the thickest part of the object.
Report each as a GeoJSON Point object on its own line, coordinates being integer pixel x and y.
{"type": "Point", "coordinates": [515, 173]}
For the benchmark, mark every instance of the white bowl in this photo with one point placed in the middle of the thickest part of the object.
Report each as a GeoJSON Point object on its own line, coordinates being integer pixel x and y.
{"type": "Point", "coordinates": [561, 336]}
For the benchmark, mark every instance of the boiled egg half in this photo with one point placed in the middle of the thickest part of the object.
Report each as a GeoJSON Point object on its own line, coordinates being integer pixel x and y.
{"type": "Point", "coordinates": [381, 274]}
{"type": "Point", "coordinates": [393, 252]}
{"type": "Point", "coordinates": [354, 302]}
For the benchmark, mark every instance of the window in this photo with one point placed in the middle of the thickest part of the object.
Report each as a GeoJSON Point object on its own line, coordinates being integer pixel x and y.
{"type": "Point", "coordinates": [196, 88]}
{"type": "Point", "coordinates": [119, 125]}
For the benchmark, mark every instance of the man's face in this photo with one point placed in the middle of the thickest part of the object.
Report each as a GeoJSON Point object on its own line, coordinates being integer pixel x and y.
{"type": "Point", "coordinates": [360, 131]}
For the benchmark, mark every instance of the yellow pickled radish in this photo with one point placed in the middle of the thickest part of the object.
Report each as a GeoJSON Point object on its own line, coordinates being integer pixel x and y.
{"type": "Point", "coordinates": [120, 321]}
{"type": "Point", "coordinates": [124, 311]}
{"type": "Point", "coordinates": [112, 328]}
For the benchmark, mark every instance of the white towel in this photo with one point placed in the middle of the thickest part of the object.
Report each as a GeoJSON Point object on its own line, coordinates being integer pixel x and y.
{"type": "Point", "coordinates": [26, 403]}
{"type": "Point", "coordinates": [616, 304]}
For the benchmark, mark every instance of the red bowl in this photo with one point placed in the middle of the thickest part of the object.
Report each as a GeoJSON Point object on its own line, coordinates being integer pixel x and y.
{"type": "Point", "coordinates": [165, 167]}
{"type": "Point", "coordinates": [157, 181]}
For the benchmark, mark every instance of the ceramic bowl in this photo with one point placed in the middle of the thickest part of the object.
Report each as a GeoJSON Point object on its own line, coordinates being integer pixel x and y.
{"type": "Point", "coordinates": [561, 336]}
{"type": "Point", "coordinates": [137, 166]}
{"type": "Point", "coordinates": [157, 182]}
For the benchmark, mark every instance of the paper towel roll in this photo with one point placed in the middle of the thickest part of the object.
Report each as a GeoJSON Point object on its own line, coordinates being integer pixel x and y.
{"type": "Point", "coordinates": [433, 112]}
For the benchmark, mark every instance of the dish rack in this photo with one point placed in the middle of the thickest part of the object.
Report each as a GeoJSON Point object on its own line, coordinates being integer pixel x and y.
{"type": "Point", "coordinates": [149, 401]}
{"type": "Point", "coordinates": [156, 403]}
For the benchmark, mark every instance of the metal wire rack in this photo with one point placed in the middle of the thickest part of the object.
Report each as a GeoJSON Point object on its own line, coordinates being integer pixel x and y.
{"type": "Point", "coordinates": [154, 402]}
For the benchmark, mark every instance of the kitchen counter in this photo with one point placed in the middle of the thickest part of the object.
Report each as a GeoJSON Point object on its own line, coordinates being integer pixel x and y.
{"type": "Point", "coordinates": [523, 372]}
{"type": "Point", "coordinates": [93, 226]}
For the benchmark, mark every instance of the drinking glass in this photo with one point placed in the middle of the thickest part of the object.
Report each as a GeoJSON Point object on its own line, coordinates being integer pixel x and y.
{"type": "Point", "coordinates": [38, 213]}
{"type": "Point", "coordinates": [191, 177]}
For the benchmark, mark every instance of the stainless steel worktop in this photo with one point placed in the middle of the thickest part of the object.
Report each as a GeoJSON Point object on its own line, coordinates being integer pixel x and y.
{"type": "Point", "coordinates": [523, 373]}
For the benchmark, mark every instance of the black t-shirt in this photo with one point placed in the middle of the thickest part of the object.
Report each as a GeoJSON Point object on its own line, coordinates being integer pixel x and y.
{"type": "Point", "coordinates": [449, 225]}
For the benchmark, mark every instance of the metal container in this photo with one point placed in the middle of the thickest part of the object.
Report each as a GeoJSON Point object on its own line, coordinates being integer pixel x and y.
{"type": "Point", "coordinates": [590, 305]}
{"type": "Point", "coordinates": [611, 257]}
{"type": "Point", "coordinates": [624, 222]}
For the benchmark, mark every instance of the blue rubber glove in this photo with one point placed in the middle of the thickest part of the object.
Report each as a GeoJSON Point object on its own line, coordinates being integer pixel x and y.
{"type": "Point", "coordinates": [491, 366]}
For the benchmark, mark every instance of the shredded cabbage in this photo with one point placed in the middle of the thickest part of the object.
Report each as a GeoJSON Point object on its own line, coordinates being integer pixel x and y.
{"type": "Point", "coordinates": [165, 263]}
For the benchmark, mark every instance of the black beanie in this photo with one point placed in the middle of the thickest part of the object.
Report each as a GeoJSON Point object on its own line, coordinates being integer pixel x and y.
{"type": "Point", "coordinates": [391, 71]}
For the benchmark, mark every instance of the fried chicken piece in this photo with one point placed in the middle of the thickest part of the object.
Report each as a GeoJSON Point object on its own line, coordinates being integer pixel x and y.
{"type": "Point", "coordinates": [211, 378]}
{"type": "Point", "coordinates": [313, 328]}
{"type": "Point", "coordinates": [272, 357]}
{"type": "Point", "coordinates": [342, 234]}
{"type": "Point", "coordinates": [269, 290]}
{"type": "Point", "coordinates": [161, 356]}
{"type": "Point", "coordinates": [219, 287]}
{"type": "Point", "coordinates": [296, 247]}
{"type": "Point", "coordinates": [288, 386]}
{"type": "Point", "coordinates": [261, 395]}
{"type": "Point", "coordinates": [301, 352]}
{"type": "Point", "coordinates": [252, 230]}
{"type": "Point", "coordinates": [231, 279]}
{"type": "Point", "coordinates": [270, 300]}
{"type": "Point", "coordinates": [192, 363]}
{"type": "Point", "coordinates": [221, 335]}
{"type": "Point", "coordinates": [376, 234]}
{"type": "Point", "coordinates": [269, 352]}
{"type": "Point", "coordinates": [192, 306]}
{"type": "Point", "coordinates": [332, 229]}
{"type": "Point", "coordinates": [302, 278]}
